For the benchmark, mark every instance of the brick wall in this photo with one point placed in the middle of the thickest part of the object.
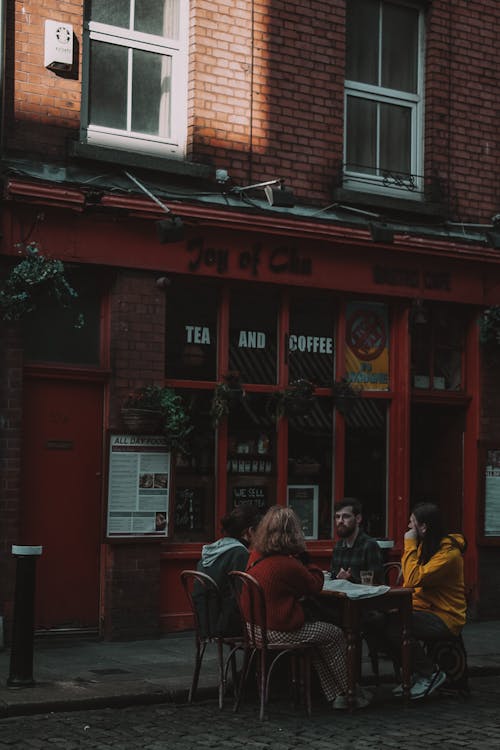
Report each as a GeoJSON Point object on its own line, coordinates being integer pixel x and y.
{"type": "Point", "coordinates": [266, 94]}
{"type": "Point", "coordinates": [10, 461]}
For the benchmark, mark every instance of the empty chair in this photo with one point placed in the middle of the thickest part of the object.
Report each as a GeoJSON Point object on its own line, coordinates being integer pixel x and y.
{"type": "Point", "coordinates": [205, 601]}
{"type": "Point", "coordinates": [257, 646]}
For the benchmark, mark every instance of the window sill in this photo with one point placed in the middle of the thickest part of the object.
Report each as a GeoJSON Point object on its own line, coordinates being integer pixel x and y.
{"type": "Point", "coordinates": [384, 203]}
{"type": "Point", "coordinates": [144, 161]}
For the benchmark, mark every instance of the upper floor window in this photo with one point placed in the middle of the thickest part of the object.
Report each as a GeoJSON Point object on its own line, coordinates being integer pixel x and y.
{"type": "Point", "coordinates": [383, 97]}
{"type": "Point", "coordinates": [135, 74]}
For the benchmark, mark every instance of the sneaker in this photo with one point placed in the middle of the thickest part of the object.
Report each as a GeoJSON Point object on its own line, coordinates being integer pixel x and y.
{"type": "Point", "coordinates": [362, 700]}
{"type": "Point", "coordinates": [398, 690]}
{"type": "Point", "coordinates": [426, 685]}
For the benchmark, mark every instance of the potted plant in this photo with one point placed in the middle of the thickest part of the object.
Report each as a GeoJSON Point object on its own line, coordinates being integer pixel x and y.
{"type": "Point", "coordinates": [344, 395]}
{"type": "Point", "coordinates": [227, 394]}
{"type": "Point", "coordinates": [32, 279]}
{"type": "Point", "coordinates": [152, 409]}
{"type": "Point", "coordinates": [296, 400]}
{"type": "Point", "coordinates": [489, 325]}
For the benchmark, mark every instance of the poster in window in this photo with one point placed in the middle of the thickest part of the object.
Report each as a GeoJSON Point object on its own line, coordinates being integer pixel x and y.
{"type": "Point", "coordinates": [492, 494]}
{"type": "Point", "coordinates": [304, 501]}
{"type": "Point", "coordinates": [188, 508]}
{"type": "Point", "coordinates": [367, 345]}
{"type": "Point", "coordinates": [138, 486]}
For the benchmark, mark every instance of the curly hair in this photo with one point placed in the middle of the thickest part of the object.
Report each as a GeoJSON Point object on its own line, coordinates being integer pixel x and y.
{"type": "Point", "coordinates": [279, 532]}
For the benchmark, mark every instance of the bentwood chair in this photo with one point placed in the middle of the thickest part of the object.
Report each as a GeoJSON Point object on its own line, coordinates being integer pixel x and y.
{"type": "Point", "coordinates": [392, 576]}
{"type": "Point", "coordinates": [205, 601]}
{"type": "Point", "coordinates": [248, 590]}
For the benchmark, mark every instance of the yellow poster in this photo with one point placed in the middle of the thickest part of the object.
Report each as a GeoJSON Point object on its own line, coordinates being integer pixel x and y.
{"type": "Point", "coordinates": [367, 345]}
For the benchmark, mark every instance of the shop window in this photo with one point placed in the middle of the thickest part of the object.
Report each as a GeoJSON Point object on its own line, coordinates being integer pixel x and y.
{"type": "Point", "coordinates": [66, 335]}
{"type": "Point", "coordinates": [366, 462]}
{"type": "Point", "coordinates": [193, 498]}
{"type": "Point", "coordinates": [383, 97]}
{"type": "Point", "coordinates": [253, 336]}
{"type": "Point", "coordinates": [310, 446]}
{"type": "Point", "coordinates": [367, 345]}
{"type": "Point", "coordinates": [310, 341]}
{"type": "Point", "coordinates": [192, 331]}
{"type": "Point", "coordinates": [251, 456]}
{"type": "Point", "coordinates": [437, 348]}
{"type": "Point", "coordinates": [135, 62]}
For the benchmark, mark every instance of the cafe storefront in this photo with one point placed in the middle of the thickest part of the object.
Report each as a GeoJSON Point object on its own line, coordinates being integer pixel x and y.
{"type": "Point", "coordinates": [352, 370]}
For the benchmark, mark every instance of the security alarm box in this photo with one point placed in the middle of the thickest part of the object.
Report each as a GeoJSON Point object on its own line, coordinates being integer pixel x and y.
{"type": "Point", "coordinates": [58, 45]}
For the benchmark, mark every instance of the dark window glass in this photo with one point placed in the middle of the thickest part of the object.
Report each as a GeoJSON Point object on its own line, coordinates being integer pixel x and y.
{"type": "Point", "coordinates": [310, 341]}
{"type": "Point", "coordinates": [54, 333]}
{"type": "Point", "coordinates": [191, 331]}
{"type": "Point", "coordinates": [366, 462]}
{"type": "Point", "coordinates": [362, 41]}
{"type": "Point", "coordinates": [361, 135]}
{"type": "Point", "coordinates": [151, 85]}
{"type": "Point", "coordinates": [113, 12]}
{"type": "Point", "coordinates": [399, 48]}
{"type": "Point", "coordinates": [108, 85]}
{"type": "Point", "coordinates": [437, 348]}
{"type": "Point", "coordinates": [253, 335]}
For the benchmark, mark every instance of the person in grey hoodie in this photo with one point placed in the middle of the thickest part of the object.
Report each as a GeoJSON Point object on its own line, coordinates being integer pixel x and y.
{"type": "Point", "coordinates": [217, 560]}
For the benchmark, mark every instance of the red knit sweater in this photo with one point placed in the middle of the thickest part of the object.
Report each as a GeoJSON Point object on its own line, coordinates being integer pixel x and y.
{"type": "Point", "coordinates": [285, 580]}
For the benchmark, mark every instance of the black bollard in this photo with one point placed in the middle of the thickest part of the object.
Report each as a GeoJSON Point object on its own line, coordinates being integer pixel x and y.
{"type": "Point", "coordinates": [23, 627]}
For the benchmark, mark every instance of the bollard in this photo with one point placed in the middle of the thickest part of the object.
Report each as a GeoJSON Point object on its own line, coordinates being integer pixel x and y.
{"type": "Point", "coordinates": [23, 627]}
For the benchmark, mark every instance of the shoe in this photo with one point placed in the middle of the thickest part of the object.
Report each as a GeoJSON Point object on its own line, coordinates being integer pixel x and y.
{"type": "Point", "coordinates": [362, 699]}
{"type": "Point", "coordinates": [398, 690]}
{"type": "Point", "coordinates": [426, 685]}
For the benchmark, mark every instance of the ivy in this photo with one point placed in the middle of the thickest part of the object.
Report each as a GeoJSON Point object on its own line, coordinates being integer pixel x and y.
{"type": "Point", "coordinates": [489, 325]}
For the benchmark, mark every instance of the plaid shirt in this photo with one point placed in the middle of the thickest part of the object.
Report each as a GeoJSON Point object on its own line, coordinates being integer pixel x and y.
{"type": "Point", "coordinates": [363, 555]}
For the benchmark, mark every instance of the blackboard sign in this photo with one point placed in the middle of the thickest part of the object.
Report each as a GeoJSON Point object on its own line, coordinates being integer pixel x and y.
{"type": "Point", "coordinates": [304, 501]}
{"type": "Point", "coordinates": [251, 494]}
{"type": "Point", "coordinates": [188, 510]}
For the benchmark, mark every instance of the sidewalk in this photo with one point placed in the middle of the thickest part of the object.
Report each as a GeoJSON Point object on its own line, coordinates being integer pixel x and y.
{"type": "Point", "coordinates": [73, 674]}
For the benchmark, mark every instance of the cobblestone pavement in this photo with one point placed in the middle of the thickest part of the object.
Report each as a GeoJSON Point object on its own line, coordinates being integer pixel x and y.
{"type": "Point", "coordinates": [445, 721]}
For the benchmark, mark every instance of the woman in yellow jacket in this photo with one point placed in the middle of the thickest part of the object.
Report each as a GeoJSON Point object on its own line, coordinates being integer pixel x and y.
{"type": "Point", "coordinates": [433, 566]}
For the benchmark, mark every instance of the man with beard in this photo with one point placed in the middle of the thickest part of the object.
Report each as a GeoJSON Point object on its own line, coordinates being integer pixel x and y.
{"type": "Point", "coordinates": [354, 550]}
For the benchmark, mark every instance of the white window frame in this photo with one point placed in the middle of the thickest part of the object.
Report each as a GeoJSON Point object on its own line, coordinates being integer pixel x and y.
{"type": "Point", "coordinates": [361, 181]}
{"type": "Point", "coordinates": [176, 50]}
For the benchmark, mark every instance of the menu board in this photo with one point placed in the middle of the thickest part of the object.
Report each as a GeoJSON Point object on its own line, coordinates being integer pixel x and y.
{"type": "Point", "coordinates": [138, 486]}
{"type": "Point", "coordinates": [492, 494]}
{"type": "Point", "coordinates": [304, 501]}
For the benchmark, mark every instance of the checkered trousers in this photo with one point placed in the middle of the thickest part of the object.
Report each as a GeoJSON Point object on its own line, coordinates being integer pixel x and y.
{"type": "Point", "coordinates": [328, 658]}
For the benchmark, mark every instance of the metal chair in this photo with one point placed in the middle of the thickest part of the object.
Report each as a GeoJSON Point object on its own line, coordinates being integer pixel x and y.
{"type": "Point", "coordinates": [392, 576]}
{"type": "Point", "coordinates": [268, 654]}
{"type": "Point", "coordinates": [450, 656]}
{"type": "Point", "coordinates": [205, 606]}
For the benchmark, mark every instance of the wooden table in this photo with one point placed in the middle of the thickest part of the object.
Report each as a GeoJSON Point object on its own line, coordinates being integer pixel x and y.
{"type": "Point", "coordinates": [397, 599]}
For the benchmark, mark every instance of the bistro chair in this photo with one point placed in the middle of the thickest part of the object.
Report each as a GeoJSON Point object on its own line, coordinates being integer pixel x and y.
{"type": "Point", "coordinates": [392, 576]}
{"type": "Point", "coordinates": [202, 588]}
{"type": "Point", "coordinates": [267, 654]}
{"type": "Point", "coordinates": [450, 656]}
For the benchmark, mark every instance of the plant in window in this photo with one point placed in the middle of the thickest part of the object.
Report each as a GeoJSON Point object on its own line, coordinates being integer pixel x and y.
{"type": "Point", "coordinates": [34, 279]}
{"type": "Point", "coordinates": [489, 325]}
{"type": "Point", "coordinates": [344, 395]}
{"type": "Point", "coordinates": [227, 394]}
{"type": "Point", "coordinates": [296, 400]}
{"type": "Point", "coordinates": [153, 408]}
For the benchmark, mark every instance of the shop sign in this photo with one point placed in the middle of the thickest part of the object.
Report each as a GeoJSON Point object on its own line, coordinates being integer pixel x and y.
{"type": "Point", "coordinates": [367, 345]}
{"type": "Point", "coordinates": [278, 260]}
{"type": "Point", "coordinates": [250, 495]}
{"type": "Point", "coordinates": [138, 486]}
{"type": "Point", "coordinates": [413, 278]}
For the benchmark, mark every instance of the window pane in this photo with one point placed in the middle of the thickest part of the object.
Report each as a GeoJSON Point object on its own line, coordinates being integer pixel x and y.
{"type": "Point", "coordinates": [310, 342]}
{"type": "Point", "coordinates": [191, 332]}
{"type": "Point", "coordinates": [399, 48]}
{"type": "Point", "coordinates": [395, 139]}
{"type": "Point", "coordinates": [361, 134]}
{"type": "Point", "coordinates": [160, 17]}
{"type": "Point", "coordinates": [113, 12]}
{"type": "Point", "coordinates": [151, 80]}
{"type": "Point", "coordinates": [310, 446]}
{"type": "Point", "coordinates": [362, 41]}
{"type": "Point", "coordinates": [366, 462]}
{"type": "Point", "coordinates": [448, 370]}
{"type": "Point", "coordinates": [253, 336]}
{"type": "Point", "coordinates": [108, 85]}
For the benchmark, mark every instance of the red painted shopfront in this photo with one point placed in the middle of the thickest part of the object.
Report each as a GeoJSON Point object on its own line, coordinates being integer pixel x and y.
{"type": "Point", "coordinates": [276, 299]}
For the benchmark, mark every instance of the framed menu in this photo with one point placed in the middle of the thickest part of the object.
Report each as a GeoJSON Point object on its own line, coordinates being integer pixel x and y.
{"type": "Point", "coordinates": [490, 495]}
{"type": "Point", "coordinates": [304, 499]}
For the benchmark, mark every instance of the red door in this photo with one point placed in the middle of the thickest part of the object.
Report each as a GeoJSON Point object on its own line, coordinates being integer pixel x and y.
{"type": "Point", "coordinates": [62, 455]}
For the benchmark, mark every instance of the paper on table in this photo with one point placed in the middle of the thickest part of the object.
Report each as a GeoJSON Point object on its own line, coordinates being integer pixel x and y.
{"type": "Point", "coordinates": [354, 590]}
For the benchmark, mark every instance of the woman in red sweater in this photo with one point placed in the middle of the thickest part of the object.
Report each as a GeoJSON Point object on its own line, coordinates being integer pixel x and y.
{"type": "Point", "coordinates": [280, 563]}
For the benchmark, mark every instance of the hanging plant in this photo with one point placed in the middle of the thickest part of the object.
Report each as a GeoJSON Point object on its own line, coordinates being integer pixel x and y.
{"type": "Point", "coordinates": [154, 408]}
{"type": "Point", "coordinates": [32, 280]}
{"type": "Point", "coordinates": [296, 400]}
{"type": "Point", "coordinates": [489, 325]}
{"type": "Point", "coordinates": [227, 395]}
{"type": "Point", "coordinates": [344, 395]}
